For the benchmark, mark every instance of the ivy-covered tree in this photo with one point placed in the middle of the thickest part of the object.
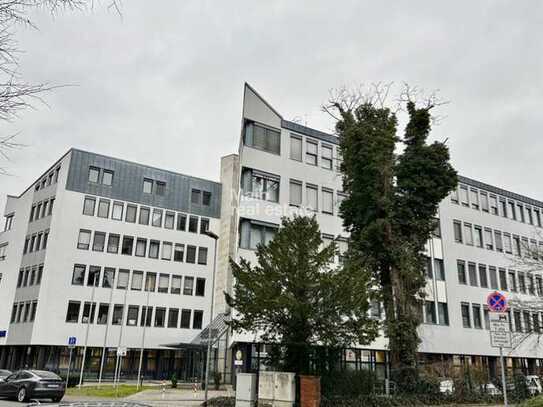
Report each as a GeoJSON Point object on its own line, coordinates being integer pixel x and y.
{"type": "Point", "coordinates": [294, 296]}
{"type": "Point", "coordinates": [390, 210]}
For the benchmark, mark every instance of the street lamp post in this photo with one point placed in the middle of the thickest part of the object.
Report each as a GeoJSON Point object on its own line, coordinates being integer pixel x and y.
{"type": "Point", "coordinates": [208, 356]}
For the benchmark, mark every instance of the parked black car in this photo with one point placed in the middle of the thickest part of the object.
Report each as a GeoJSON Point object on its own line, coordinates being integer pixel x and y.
{"type": "Point", "coordinates": [4, 374]}
{"type": "Point", "coordinates": [33, 384]}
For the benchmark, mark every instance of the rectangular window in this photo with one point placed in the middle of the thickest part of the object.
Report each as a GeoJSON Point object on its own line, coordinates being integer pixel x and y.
{"type": "Point", "coordinates": [200, 287]}
{"type": "Point", "coordinates": [118, 314]}
{"type": "Point", "coordinates": [430, 312]}
{"type": "Point", "coordinates": [477, 323]}
{"type": "Point", "coordinates": [443, 313]}
{"type": "Point", "coordinates": [173, 317]}
{"type": "Point", "coordinates": [472, 271]}
{"type": "Point", "coordinates": [512, 212]}
{"type": "Point", "coordinates": [93, 278]}
{"type": "Point", "coordinates": [461, 268]}
{"type": "Point", "coordinates": [185, 318]}
{"type": "Point", "coordinates": [466, 320]}
{"type": "Point", "coordinates": [181, 221]}
{"type": "Point", "coordinates": [488, 239]}
{"type": "Point", "coordinates": [113, 243]}
{"type": "Point", "coordinates": [44, 210]}
{"type": "Point", "coordinates": [464, 195]}
{"type": "Point", "coordinates": [94, 174]}
{"type": "Point", "coordinates": [14, 313]}
{"type": "Point", "coordinates": [83, 241]}
{"type": "Point", "coordinates": [146, 316]}
{"type": "Point", "coordinates": [193, 224]}
{"type": "Point", "coordinates": [468, 234]}
{"type": "Point", "coordinates": [312, 197]}
{"type": "Point", "coordinates": [107, 177]}
{"type": "Point", "coordinates": [295, 193]}
{"type": "Point", "coordinates": [131, 213]}
{"type": "Point", "coordinates": [206, 198]}
{"type": "Point", "coordinates": [103, 314]}
{"type": "Point", "coordinates": [328, 201]}
{"type": "Point", "coordinates": [45, 239]}
{"type": "Point", "coordinates": [520, 208]}
{"type": "Point", "coordinates": [32, 243]}
{"type": "Point", "coordinates": [296, 148]}
{"type": "Point", "coordinates": [198, 319]}
{"type": "Point", "coordinates": [262, 138]}
{"type": "Point", "coordinates": [188, 286]}
{"type": "Point", "coordinates": [195, 196]}
{"type": "Point", "coordinates": [311, 152]}
{"type": "Point", "coordinates": [99, 241]}
{"type": "Point", "coordinates": [439, 270]}
{"type": "Point", "coordinates": [163, 283]}
{"type": "Point", "coordinates": [144, 216]}
{"type": "Point", "coordinates": [507, 246]}
{"type": "Point", "coordinates": [167, 250]}
{"type": "Point", "coordinates": [88, 206]}
{"type": "Point", "coordinates": [204, 225]}
{"type": "Point", "coordinates": [484, 201]}
{"type": "Point", "coordinates": [202, 255]}
{"type": "Point", "coordinates": [122, 280]}
{"type": "Point", "coordinates": [457, 228]}
{"type": "Point", "coordinates": [72, 315]}
{"type": "Point", "coordinates": [150, 282]}
{"type": "Point", "coordinates": [108, 278]}
{"type": "Point", "coordinates": [522, 282]}
{"type": "Point", "coordinates": [160, 188]}
{"type": "Point", "coordinates": [117, 213]}
{"type": "Point", "coordinates": [518, 321]}
{"type": "Point", "coordinates": [486, 317]}
{"type": "Point", "coordinates": [454, 196]}
{"type": "Point", "coordinates": [157, 218]}
{"type": "Point", "coordinates": [260, 185]}
{"type": "Point", "coordinates": [160, 317]}
{"type": "Point", "coordinates": [516, 246]}
{"type": "Point", "coordinates": [512, 281]}
{"type": "Point", "coordinates": [88, 313]}
{"type": "Point", "coordinates": [529, 217]}
{"type": "Point", "coordinates": [483, 279]}
{"type": "Point", "coordinates": [176, 285]}
{"type": "Point", "coordinates": [537, 217]}
{"type": "Point", "coordinates": [154, 248]}
{"type": "Point", "coordinates": [478, 235]}
{"type": "Point", "coordinates": [493, 278]}
{"type": "Point", "coordinates": [147, 186]}
{"type": "Point", "coordinates": [326, 156]}
{"type": "Point", "coordinates": [191, 254]}
{"type": "Point", "coordinates": [78, 276]}
{"type": "Point", "coordinates": [474, 198]}
{"type": "Point", "coordinates": [503, 279]}
{"type": "Point", "coordinates": [169, 220]}
{"type": "Point", "coordinates": [498, 240]}
{"type": "Point", "coordinates": [141, 247]}
{"type": "Point", "coordinates": [132, 315]}
{"type": "Point", "coordinates": [539, 285]}
{"type": "Point", "coordinates": [137, 280]}
{"type": "Point", "coordinates": [128, 244]}
{"type": "Point", "coordinates": [179, 252]}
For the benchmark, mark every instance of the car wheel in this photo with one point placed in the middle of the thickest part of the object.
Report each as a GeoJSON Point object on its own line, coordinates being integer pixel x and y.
{"type": "Point", "coordinates": [22, 395]}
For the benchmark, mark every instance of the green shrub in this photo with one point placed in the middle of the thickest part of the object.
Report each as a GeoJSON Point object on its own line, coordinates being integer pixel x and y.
{"type": "Point", "coordinates": [220, 402]}
{"type": "Point", "coordinates": [407, 400]}
{"type": "Point", "coordinates": [348, 383]}
{"type": "Point", "coordinates": [174, 381]}
{"type": "Point", "coordinates": [535, 402]}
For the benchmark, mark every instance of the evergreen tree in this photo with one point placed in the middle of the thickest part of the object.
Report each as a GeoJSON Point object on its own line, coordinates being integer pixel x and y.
{"type": "Point", "coordinates": [295, 297]}
{"type": "Point", "coordinates": [390, 211]}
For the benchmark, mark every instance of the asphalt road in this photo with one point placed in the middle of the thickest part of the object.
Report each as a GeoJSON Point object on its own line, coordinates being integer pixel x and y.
{"type": "Point", "coordinates": [12, 403]}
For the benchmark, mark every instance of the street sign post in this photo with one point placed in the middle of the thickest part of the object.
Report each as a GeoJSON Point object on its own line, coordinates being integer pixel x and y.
{"type": "Point", "coordinates": [72, 340]}
{"type": "Point", "coordinates": [500, 335]}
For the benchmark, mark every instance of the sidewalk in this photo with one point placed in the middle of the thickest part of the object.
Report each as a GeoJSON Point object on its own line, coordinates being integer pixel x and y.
{"type": "Point", "coordinates": [175, 397]}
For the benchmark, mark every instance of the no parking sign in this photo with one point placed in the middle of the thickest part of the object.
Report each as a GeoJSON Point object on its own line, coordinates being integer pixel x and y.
{"type": "Point", "coordinates": [497, 302]}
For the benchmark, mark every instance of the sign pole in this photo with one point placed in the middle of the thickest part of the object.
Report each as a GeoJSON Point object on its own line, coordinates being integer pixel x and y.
{"type": "Point", "coordinates": [504, 384]}
{"type": "Point", "coordinates": [69, 364]}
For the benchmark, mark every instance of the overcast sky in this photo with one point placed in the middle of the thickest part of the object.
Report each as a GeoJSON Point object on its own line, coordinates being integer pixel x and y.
{"type": "Point", "coordinates": [163, 86]}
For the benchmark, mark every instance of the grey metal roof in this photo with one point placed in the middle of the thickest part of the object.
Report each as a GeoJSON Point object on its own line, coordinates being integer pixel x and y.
{"type": "Point", "coordinates": [308, 131]}
{"type": "Point", "coordinates": [128, 184]}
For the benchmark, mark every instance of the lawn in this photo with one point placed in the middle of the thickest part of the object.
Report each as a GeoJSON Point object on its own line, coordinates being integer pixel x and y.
{"type": "Point", "coordinates": [122, 390]}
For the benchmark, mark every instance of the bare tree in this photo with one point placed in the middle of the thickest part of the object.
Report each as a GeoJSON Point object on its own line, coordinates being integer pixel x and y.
{"type": "Point", "coordinates": [16, 94]}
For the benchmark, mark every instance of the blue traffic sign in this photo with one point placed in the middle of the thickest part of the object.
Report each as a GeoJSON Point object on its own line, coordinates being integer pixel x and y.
{"type": "Point", "coordinates": [497, 302]}
{"type": "Point", "coordinates": [72, 340]}
{"type": "Point", "coordinates": [3, 334]}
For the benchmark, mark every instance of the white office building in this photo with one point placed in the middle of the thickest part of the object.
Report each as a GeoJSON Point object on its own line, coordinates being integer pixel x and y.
{"type": "Point", "coordinates": [112, 253]}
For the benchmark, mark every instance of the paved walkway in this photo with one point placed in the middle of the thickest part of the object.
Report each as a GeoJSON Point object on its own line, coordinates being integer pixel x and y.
{"type": "Point", "coordinates": [175, 397]}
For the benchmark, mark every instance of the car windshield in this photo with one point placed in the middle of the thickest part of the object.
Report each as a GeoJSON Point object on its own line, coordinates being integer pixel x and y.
{"type": "Point", "coordinates": [43, 374]}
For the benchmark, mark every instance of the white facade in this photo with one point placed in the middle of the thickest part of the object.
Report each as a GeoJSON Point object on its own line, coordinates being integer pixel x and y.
{"type": "Point", "coordinates": [303, 159]}
{"type": "Point", "coordinates": [168, 268]}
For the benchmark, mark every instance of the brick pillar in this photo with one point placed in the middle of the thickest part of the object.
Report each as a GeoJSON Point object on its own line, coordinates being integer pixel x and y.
{"type": "Point", "coordinates": [310, 391]}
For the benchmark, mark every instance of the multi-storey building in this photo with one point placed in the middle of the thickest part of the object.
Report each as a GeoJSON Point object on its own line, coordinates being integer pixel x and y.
{"type": "Point", "coordinates": [112, 253]}
{"type": "Point", "coordinates": [484, 236]}
{"type": "Point", "coordinates": [97, 241]}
